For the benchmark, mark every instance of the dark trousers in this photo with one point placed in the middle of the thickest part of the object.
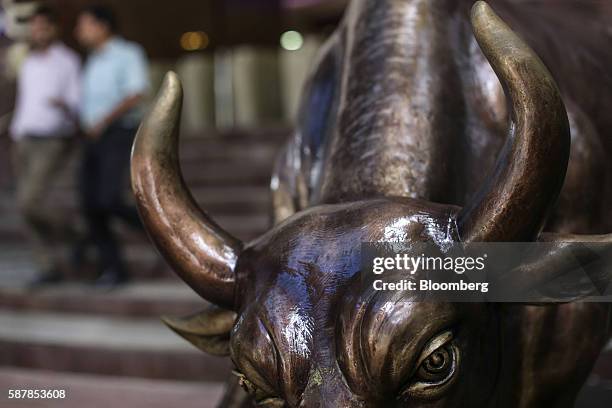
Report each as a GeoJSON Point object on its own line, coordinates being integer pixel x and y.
{"type": "Point", "coordinates": [103, 186]}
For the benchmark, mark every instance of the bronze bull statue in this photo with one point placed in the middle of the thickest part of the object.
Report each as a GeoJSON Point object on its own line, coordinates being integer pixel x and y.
{"type": "Point", "coordinates": [401, 122]}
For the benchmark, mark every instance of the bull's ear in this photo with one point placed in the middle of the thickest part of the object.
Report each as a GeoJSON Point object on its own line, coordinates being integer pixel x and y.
{"type": "Point", "coordinates": [208, 330]}
{"type": "Point", "coordinates": [560, 257]}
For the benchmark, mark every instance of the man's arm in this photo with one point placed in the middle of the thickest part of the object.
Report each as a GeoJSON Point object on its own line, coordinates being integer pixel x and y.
{"type": "Point", "coordinates": [69, 102]}
{"type": "Point", "coordinates": [122, 109]}
{"type": "Point", "coordinates": [136, 86]}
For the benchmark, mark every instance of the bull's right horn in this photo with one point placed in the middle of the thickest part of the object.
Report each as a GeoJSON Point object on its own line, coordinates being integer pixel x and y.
{"type": "Point", "coordinates": [529, 174]}
{"type": "Point", "coordinates": [200, 251]}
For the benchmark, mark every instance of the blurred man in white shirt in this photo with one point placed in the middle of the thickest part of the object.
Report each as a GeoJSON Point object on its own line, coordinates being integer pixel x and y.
{"type": "Point", "coordinates": [43, 127]}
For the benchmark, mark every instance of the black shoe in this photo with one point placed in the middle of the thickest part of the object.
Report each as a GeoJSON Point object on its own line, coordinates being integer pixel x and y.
{"type": "Point", "coordinates": [78, 254]}
{"type": "Point", "coordinates": [110, 279]}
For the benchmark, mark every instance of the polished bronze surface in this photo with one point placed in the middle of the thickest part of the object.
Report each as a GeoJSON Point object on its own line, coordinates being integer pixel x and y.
{"type": "Point", "coordinates": [401, 123]}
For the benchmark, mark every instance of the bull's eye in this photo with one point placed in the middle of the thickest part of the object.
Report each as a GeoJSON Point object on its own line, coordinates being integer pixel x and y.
{"type": "Point", "coordinates": [436, 370]}
{"type": "Point", "coordinates": [261, 397]}
{"type": "Point", "coordinates": [437, 366]}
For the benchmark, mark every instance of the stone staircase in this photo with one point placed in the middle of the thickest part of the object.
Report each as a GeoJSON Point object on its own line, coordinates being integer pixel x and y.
{"type": "Point", "coordinates": [94, 391]}
{"type": "Point", "coordinates": [228, 175]}
{"type": "Point", "coordinates": [109, 348]}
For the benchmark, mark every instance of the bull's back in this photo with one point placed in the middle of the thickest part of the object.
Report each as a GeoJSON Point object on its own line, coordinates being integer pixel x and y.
{"type": "Point", "coordinates": [349, 156]}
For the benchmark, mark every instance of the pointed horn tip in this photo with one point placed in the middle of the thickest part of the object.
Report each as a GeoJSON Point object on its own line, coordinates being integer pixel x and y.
{"type": "Point", "coordinates": [481, 9]}
{"type": "Point", "coordinates": [158, 126]}
{"type": "Point", "coordinates": [499, 42]}
{"type": "Point", "coordinates": [172, 78]}
{"type": "Point", "coordinates": [172, 83]}
{"type": "Point", "coordinates": [484, 18]}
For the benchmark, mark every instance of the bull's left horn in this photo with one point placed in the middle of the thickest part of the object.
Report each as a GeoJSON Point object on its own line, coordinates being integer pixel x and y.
{"type": "Point", "coordinates": [200, 251]}
{"type": "Point", "coordinates": [530, 171]}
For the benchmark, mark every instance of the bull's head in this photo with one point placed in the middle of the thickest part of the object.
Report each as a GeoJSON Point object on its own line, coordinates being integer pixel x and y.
{"type": "Point", "coordinates": [302, 331]}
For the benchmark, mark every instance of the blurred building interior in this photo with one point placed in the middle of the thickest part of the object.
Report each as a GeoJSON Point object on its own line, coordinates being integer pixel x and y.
{"type": "Point", "coordinates": [243, 63]}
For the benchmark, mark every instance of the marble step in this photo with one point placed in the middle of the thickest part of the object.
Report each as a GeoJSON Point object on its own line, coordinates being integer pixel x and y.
{"type": "Point", "coordinates": [97, 391]}
{"type": "Point", "coordinates": [242, 226]}
{"type": "Point", "coordinates": [104, 345]}
{"type": "Point", "coordinates": [143, 262]}
{"type": "Point", "coordinates": [140, 299]}
{"type": "Point", "coordinates": [237, 147]}
{"type": "Point", "coordinates": [220, 173]}
{"type": "Point", "coordinates": [218, 157]}
{"type": "Point", "coordinates": [217, 200]}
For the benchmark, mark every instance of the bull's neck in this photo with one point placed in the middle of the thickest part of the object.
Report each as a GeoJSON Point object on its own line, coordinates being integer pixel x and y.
{"type": "Point", "coordinates": [400, 103]}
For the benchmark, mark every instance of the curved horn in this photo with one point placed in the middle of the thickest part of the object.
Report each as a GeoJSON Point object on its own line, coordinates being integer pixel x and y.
{"type": "Point", "coordinates": [202, 253]}
{"type": "Point", "coordinates": [530, 171]}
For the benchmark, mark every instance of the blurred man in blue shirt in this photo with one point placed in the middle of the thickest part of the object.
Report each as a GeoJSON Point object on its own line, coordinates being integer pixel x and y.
{"type": "Point", "coordinates": [115, 83]}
